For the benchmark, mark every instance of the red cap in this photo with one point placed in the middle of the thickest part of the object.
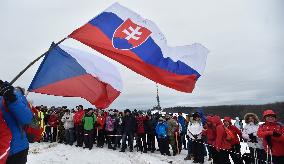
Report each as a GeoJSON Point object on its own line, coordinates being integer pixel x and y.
{"type": "Point", "coordinates": [268, 112]}
{"type": "Point", "coordinates": [209, 118]}
{"type": "Point", "coordinates": [216, 120]}
{"type": "Point", "coordinates": [227, 119]}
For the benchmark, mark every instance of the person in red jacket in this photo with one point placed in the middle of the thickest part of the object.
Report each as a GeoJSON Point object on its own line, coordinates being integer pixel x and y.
{"type": "Point", "coordinates": [101, 120]}
{"type": "Point", "coordinates": [221, 144]}
{"type": "Point", "coordinates": [140, 131]}
{"type": "Point", "coordinates": [210, 133]}
{"type": "Point", "coordinates": [272, 134]}
{"type": "Point", "coordinates": [233, 135]}
{"type": "Point", "coordinates": [79, 130]}
{"type": "Point", "coordinates": [53, 122]}
{"type": "Point", "coordinates": [5, 139]}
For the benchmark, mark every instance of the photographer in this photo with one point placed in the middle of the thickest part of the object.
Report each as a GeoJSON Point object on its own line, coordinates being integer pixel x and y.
{"type": "Point", "coordinates": [16, 113]}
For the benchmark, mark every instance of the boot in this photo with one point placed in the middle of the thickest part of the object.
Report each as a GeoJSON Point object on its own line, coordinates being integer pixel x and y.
{"type": "Point", "coordinates": [110, 147]}
{"type": "Point", "coordinates": [188, 157]}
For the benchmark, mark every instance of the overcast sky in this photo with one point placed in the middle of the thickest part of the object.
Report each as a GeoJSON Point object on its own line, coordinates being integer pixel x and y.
{"type": "Point", "coordinates": [245, 38]}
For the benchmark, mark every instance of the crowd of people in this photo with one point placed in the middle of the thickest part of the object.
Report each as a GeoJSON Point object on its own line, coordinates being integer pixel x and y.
{"type": "Point", "coordinates": [195, 133]}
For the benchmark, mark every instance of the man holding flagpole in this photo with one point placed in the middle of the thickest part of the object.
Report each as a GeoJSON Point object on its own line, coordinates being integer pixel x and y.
{"type": "Point", "coordinates": [16, 114]}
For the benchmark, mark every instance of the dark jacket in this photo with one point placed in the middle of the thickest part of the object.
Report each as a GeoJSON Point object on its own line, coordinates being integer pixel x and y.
{"type": "Point", "coordinates": [150, 126]}
{"type": "Point", "coordinates": [128, 124]}
{"type": "Point", "coordinates": [118, 125]}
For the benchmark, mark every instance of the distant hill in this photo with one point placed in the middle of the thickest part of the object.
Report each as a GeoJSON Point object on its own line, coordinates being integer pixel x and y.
{"type": "Point", "coordinates": [233, 110]}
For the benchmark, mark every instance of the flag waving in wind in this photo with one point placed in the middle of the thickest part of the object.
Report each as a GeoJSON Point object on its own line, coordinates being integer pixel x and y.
{"type": "Point", "coordinates": [126, 37]}
{"type": "Point", "coordinates": [70, 72]}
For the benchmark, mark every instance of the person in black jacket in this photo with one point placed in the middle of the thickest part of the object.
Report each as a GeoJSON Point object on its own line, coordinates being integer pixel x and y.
{"type": "Point", "coordinates": [47, 131]}
{"type": "Point", "coordinates": [128, 129]}
{"type": "Point", "coordinates": [118, 130]}
{"type": "Point", "coordinates": [150, 125]}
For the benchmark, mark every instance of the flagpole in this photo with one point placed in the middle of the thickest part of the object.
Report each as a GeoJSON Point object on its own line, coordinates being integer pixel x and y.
{"type": "Point", "coordinates": [33, 62]}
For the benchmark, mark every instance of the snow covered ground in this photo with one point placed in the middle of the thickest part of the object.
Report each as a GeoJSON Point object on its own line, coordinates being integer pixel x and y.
{"type": "Point", "coordinates": [54, 153]}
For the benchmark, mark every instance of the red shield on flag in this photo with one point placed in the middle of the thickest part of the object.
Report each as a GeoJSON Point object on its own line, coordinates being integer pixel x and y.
{"type": "Point", "coordinates": [129, 35]}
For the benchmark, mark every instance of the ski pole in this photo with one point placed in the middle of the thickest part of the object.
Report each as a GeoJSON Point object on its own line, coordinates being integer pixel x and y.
{"type": "Point", "coordinates": [97, 134]}
{"type": "Point", "coordinates": [267, 154]}
{"type": "Point", "coordinates": [254, 155]}
{"type": "Point", "coordinates": [271, 158]}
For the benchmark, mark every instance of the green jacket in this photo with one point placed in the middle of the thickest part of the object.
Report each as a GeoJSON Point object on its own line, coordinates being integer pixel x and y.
{"type": "Point", "coordinates": [89, 121]}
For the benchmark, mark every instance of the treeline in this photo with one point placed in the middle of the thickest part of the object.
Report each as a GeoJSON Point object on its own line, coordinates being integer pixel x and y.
{"type": "Point", "coordinates": [233, 110]}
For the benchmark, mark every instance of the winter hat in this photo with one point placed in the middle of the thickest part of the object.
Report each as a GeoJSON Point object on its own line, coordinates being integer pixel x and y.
{"type": "Point", "coordinates": [227, 119]}
{"type": "Point", "coordinates": [127, 110]}
{"type": "Point", "coordinates": [111, 113]}
{"type": "Point", "coordinates": [216, 120]}
{"type": "Point", "coordinates": [161, 119]}
{"type": "Point", "coordinates": [248, 115]}
{"type": "Point", "coordinates": [209, 119]}
{"type": "Point", "coordinates": [90, 111]}
{"type": "Point", "coordinates": [269, 112]}
{"type": "Point", "coordinates": [167, 117]}
{"type": "Point", "coordinates": [195, 115]}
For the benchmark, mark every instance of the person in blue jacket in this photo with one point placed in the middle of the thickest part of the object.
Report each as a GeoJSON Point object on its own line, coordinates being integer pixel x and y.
{"type": "Point", "coordinates": [162, 136]}
{"type": "Point", "coordinates": [183, 124]}
{"type": "Point", "coordinates": [16, 113]}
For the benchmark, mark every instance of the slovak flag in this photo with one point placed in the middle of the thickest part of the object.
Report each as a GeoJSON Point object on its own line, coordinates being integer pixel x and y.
{"type": "Point", "coordinates": [137, 43]}
{"type": "Point", "coordinates": [70, 72]}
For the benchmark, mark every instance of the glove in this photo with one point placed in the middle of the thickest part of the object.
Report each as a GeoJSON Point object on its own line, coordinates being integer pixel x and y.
{"type": "Point", "coordinates": [251, 136]}
{"type": "Point", "coordinates": [276, 134]}
{"type": "Point", "coordinates": [7, 91]}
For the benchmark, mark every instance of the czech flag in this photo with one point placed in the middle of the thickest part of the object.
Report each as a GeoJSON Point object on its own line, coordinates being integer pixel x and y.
{"type": "Point", "coordinates": [70, 72]}
{"type": "Point", "coordinates": [137, 43]}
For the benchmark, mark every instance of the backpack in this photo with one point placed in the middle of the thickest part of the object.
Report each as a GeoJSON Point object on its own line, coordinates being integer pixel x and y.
{"type": "Point", "coordinates": [33, 130]}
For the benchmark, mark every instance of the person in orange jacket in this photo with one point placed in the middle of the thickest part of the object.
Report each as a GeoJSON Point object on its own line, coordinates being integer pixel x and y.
{"type": "Point", "coordinates": [272, 133]}
{"type": "Point", "coordinates": [5, 139]}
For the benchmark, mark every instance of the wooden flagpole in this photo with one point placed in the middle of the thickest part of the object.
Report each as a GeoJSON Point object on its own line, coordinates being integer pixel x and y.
{"type": "Point", "coordinates": [33, 62]}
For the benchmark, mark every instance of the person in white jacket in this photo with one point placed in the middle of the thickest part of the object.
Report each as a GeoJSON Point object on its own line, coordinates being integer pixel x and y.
{"type": "Point", "coordinates": [250, 136]}
{"type": "Point", "coordinates": [194, 132]}
{"type": "Point", "coordinates": [68, 122]}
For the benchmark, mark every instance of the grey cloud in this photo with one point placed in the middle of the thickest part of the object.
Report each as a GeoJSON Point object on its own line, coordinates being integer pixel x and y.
{"type": "Point", "coordinates": [245, 39]}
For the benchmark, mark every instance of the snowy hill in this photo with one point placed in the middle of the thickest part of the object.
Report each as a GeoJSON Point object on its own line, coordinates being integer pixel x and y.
{"type": "Point", "coordinates": [54, 153]}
